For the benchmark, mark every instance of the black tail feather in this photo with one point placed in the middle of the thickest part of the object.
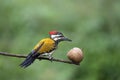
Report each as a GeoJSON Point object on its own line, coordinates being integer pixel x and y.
{"type": "Point", "coordinates": [29, 60]}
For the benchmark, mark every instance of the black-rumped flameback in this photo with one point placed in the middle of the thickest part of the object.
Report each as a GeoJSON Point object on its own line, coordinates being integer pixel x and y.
{"type": "Point", "coordinates": [44, 47]}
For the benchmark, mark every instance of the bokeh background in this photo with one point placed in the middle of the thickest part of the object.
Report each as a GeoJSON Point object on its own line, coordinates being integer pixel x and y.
{"type": "Point", "coordinates": [93, 25]}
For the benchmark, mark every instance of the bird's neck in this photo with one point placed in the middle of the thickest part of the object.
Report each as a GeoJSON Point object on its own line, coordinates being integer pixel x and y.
{"type": "Point", "coordinates": [57, 41]}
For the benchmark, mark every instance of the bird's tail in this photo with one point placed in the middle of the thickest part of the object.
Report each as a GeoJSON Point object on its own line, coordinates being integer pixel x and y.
{"type": "Point", "coordinates": [29, 60]}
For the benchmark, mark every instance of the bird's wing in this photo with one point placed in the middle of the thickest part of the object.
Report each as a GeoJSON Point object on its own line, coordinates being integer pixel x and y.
{"type": "Point", "coordinates": [37, 48]}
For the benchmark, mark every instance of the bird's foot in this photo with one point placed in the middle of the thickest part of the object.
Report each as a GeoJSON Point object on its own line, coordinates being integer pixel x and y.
{"type": "Point", "coordinates": [51, 58]}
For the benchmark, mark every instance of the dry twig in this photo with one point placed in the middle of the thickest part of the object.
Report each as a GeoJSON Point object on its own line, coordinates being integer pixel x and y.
{"type": "Point", "coordinates": [40, 58]}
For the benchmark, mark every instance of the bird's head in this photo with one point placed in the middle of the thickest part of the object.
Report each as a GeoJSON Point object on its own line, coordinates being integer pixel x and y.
{"type": "Point", "coordinates": [58, 36]}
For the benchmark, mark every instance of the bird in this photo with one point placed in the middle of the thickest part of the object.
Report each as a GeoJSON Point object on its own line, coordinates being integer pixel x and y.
{"type": "Point", "coordinates": [46, 47]}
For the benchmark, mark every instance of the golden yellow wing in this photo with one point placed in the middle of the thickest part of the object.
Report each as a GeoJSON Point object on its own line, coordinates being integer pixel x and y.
{"type": "Point", "coordinates": [45, 46]}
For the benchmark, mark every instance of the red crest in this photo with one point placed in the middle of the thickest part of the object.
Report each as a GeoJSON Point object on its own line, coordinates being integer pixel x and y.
{"type": "Point", "coordinates": [53, 32]}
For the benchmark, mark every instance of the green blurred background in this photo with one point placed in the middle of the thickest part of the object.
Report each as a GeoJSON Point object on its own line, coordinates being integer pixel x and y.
{"type": "Point", "coordinates": [93, 25]}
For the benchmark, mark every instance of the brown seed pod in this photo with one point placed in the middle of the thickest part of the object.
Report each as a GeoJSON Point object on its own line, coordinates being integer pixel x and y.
{"type": "Point", "coordinates": [75, 55]}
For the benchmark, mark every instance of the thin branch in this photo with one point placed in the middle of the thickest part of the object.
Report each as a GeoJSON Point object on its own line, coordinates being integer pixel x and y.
{"type": "Point", "coordinates": [40, 58]}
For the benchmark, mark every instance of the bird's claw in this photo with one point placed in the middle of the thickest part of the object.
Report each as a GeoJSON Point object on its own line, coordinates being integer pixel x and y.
{"type": "Point", "coordinates": [51, 59]}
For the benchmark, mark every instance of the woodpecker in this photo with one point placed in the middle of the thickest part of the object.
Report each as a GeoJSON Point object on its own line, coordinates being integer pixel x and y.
{"type": "Point", "coordinates": [45, 47]}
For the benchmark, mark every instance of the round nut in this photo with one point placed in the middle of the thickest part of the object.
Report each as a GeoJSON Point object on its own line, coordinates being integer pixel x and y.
{"type": "Point", "coordinates": [75, 55]}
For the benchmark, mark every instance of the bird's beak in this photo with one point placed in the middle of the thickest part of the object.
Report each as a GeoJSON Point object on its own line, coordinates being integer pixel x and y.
{"type": "Point", "coordinates": [66, 39]}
